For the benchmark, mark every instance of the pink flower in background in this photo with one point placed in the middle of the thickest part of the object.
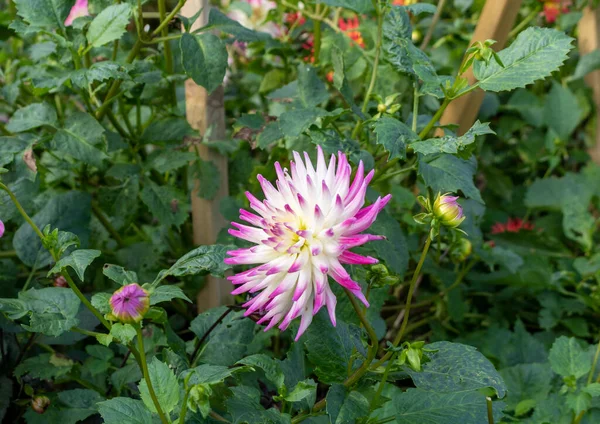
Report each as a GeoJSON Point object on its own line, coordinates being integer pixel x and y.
{"type": "Point", "coordinates": [1, 228]}
{"type": "Point", "coordinates": [79, 9]}
{"type": "Point", "coordinates": [130, 303]}
{"type": "Point", "coordinates": [303, 232]}
{"type": "Point", "coordinates": [257, 20]}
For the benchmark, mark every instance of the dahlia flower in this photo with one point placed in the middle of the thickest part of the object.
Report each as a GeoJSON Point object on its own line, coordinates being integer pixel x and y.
{"type": "Point", "coordinates": [303, 232]}
{"type": "Point", "coordinates": [554, 8]}
{"type": "Point", "coordinates": [447, 210]}
{"type": "Point", "coordinates": [350, 27]}
{"type": "Point", "coordinates": [514, 225]}
{"type": "Point", "coordinates": [130, 303]}
{"type": "Point", "coordinates": [79, 9]}
{"type": "Point", "coordinates": [257, 20]}
{"type": "Point", "coordinates": [1, 228]}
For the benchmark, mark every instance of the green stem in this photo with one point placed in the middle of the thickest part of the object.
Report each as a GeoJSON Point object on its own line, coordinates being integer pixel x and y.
{"type": "Point", "coordinates": [169, 18]}
{"type": "Point", "coordinates": [435, 118]}
{"type": "Point", "coordinates": [371, 353]}
{"type": "Point", "coordinates": [384, 377]}
{"type": "Point", "coordinates": [411, 291]}
{"type": "Point", "coordinates": [35, 228]}
{"type": "Point", "coordinates": [30, 277]}
{"type": "Point", "coordinates": [415, 106]}
{"type": "Point", "coordinates": [162, 11]}
{"type": "Point", "coordinates": [8, 254]}
{"type": "Point", "coordinates": [524, 22]}
{"type": "Point", "coordinates": [317, 35]}
{"type": "Point", "coordinates": [86, 332]}
{"type": "Point", "coordinates": [106, 223]}
{"type": "Point", "coordinates": [594, 363]}
{"type": "Point", "coordinates": [144, 367]}
{"type": "Point", "coordinates": [22, 211]}
{"type": "Point", "coordinates": [490, 410]}
{"type": "Point", "coordinates": [376, 61]}
{"type": "Point", "coordinates": [184, 407]}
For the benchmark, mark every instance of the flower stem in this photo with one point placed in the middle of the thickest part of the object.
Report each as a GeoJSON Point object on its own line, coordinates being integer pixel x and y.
{"type": "Point", "coordinates": [162, 10]}
{"type": "Point", "coordinates": [384, 377]}
{"type": "Point", "coordinates": [371, 353]}
{"type": "Point", "coordinates": [144, 367]}
{"type": "Point", "coordinates": [106, 224]}
{"type": "Point", "coordinates": [435, 118]}
{"type": "Point", "coordinates": [594, 363]}
{"type": "Point", "coordinates": [22, 211]}
{"type": "Point", "coordinates": [376, 61]}
{"type": "Point", "coordinates": [408, 303]}
{"type": "Point", "coordinates": [490, 410]}
{"type": "Point", "coordinates": [317, 35]}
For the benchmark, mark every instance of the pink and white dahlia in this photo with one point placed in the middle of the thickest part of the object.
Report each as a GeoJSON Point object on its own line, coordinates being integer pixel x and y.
{"type": "Point", "coordinates": [79, 9]}
{"type": "Point", "coordinates": [303, 231]}
{"type": "Point", "coordinates": [130, 303]}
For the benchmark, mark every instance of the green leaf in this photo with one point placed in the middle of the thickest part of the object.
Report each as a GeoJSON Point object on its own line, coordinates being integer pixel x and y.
{"type": "Point", "coordinates": [359, 6]}
{"type": "Point", "coordinates": [417, 406]}
{"type": "Point", "coordinates": [165, 386]}
{"type": "Point", "coordinates": [526, 382]}
{"type": "Point", "coordinates": [80, 398]}
{"type": "Point", "coordinates": [119, 274]}
{"type": "Point", "coordinates": [122, 332]}
{"type": "Point", "coordinates": [81, 138]}
{"type": "Point", "coordinates": [311, 90]}
{"type": "Point", "coordinates": [592, 389]}
{"type": "Point", "coordinates": [568, 358]}
{"type": "Point", "coordinates": [43, 367]}
{"type": "Point", "coordinates": [244, 407]}
{"type": "Point", "coordinates": [587, 63]}
{"type": "Point", "coordinates": [32, 116]}
{"type": "Point", "coordinates": [579, 402]}
{"type": "Point", "coordinates": [204, 59]}
{"type": "Point", "coordinates": [228, 342]}
{"type": "Point", "coordinates": [109, 25]}
{"type": "Point", "coordinates": [455, 367]}
{"type": "Point", "coordinates": [169, 160]}
{"type": "Point", "coordinates": [270, 366]}
{"type": "Point", "coordinates": [270, 134]}
{"type": "Point", "coordinates": [99, 72]}
{"type": "Point", "coordinates": [79, 260]}
{"type": "Point", "coordinates": [209, 177]}
{"type": "Point", "coordinates": [405, 56]}
{"type": "Point", "coordinates": [224, 23]}
{"type": "Point", "coordinates": [571, 195]}
{"type": "Point", "coordinates": [100, 301]}
{"type": "Point", "coordinates": [394, 136]}
{"type": "Point", "coordinates": [53, 310]}
{"type": "Point", "coordinates": [295, 122]}
{"type": "Point", "coordinates": [344, 407]}
{"type": "Point", "coordinates": [447, 173]}
{"type": "Point", "coordinates": [122, 410]}
{"type": "Point", "coordinates": [44, 13]}
{"type": "Point", "coordinates": [561, 111]}
{"type": "Point", "coordinates": [534, 55]}
{"type": "Point", "coordinates": [211, 374]}
{"type": "Point", "coordinates": [200, 260]}
{"type": "Point", "coordinates": [304, 390]}
{"type": "Point", "coordinates": [166, 294]}
{"type": "Point", "coordinates": [168, 130]}
{"type": "Point", "coordinates": [330, 348]}
{"type": "Point", "coordinates": [166, 203]}
{"type": "Point", "coordinates": [450, 143]}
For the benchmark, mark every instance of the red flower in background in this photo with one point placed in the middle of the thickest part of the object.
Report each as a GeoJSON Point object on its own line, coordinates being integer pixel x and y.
{"type": "Point", "coordinates": [514, 225]}
{"type": "Point", "coordinates": [295, 18]}
{"type": "Point", "coordinates": [553, 9]}
{"type": "Point", "coordinates": [350, 27]}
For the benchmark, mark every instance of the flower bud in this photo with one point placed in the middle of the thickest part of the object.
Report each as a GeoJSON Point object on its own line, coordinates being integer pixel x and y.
{"type": "Point", "coordinates": [60, 281]}
{"type": "Point", "coordinates": [130, 303]}
{"type": "Point", "coordinates": [447, 211]}
{"type": "Point", "coordinates": [462, 250]}
{"type": "Point", "coordinates": [199, 399]}
{"type": "Point", "coordinates": [1, 228]}
{"type": "Point", "coordinates": [381, 108]}
{"type": "Point", "coordinates": [40, 403]}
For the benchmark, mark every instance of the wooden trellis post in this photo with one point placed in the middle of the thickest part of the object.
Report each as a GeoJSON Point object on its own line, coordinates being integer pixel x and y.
{"type": "Point", "coordinates": [588, 41]}
{"type": "Point", "coordinates": [496, 20]}
{"type": "Point", "coordinates": [206, 111]}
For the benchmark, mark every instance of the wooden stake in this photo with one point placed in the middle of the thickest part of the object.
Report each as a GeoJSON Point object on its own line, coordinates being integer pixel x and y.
{"type": "Point", "coordinates": [206, 111]}
{"type": "Point", "coordinates": [496, 20]}
{"type": "Point", "coordinates": [588, 41]}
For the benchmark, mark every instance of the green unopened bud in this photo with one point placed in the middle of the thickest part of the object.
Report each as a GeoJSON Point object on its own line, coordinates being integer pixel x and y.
{"type": "Point", "coordinates": [381, 108]}
{"type": "Point", "coordinates": [447, 211]}
{"type": "Point", "coordinates": [40, 403]}
{"type": "Point", "coordinates": [462, 250]}
{"type": "Point", "coordinates": [199, 399]}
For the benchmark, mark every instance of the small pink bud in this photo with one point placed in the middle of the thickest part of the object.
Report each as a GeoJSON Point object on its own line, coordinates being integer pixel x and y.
{"type": "Point", "coordinates": [130, 303]}
{"type": "Point", "coordinates": [60, 281]}
{"type": "Point", "coordinates": [447, 211]}
{"type": "Point", "coordinates": [1, 228]}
